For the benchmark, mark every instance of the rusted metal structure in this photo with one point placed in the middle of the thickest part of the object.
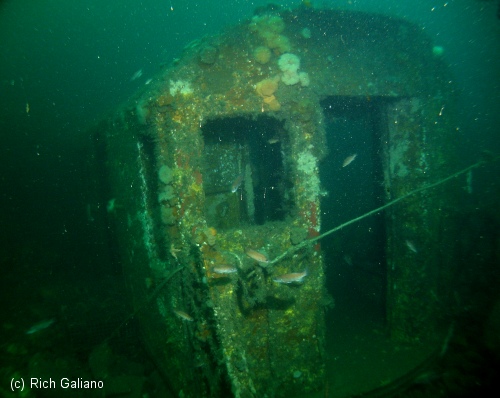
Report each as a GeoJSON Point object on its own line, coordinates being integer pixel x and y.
{"type": "Point", "coordinates": [219, 154]}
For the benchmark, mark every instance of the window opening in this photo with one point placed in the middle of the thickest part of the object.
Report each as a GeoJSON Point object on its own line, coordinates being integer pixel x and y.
{"type": "Point", "coordinates": [244, 173]}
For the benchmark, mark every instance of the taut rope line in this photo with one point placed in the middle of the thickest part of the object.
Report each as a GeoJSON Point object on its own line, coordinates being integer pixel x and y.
{"type": "Point", "coordinates": [308, 242]}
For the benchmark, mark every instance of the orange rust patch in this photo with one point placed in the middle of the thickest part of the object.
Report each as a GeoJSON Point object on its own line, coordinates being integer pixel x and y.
{"type": "Point", "coordinates": [177, 117]}
{"type": "Point", "coordinates": [203, 333]}
{"type": "Point", "coordinates": [165, 100]}
{"type": "Point", "coordinates": [198, 177]}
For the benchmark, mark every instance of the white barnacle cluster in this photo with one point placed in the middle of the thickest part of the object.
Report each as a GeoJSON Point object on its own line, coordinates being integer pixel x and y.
{"type": "Point", "coordinates": [306, 162]}
{"type": "Point", "coordinates": [289, 64]}
{"type": "Point", "coordinates": [180, 87]}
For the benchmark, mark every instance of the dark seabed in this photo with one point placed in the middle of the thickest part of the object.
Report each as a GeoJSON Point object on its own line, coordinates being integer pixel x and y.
{"type": "Point", "coordinates": [124, 254]}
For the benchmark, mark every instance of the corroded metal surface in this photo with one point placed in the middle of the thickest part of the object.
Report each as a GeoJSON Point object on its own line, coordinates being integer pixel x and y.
{"type": "Point", "coordinates": [220, 154]}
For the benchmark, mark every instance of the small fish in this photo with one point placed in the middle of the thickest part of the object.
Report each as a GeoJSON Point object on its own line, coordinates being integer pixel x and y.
{"type": "Point", "coordinates": [256, 256]}
{"type": "Point", "coordinates": [40, 326]}
{"type": "Point", "coordinates": [348, 160]}
{"type": "Point", "coordinates": [136, 75]}
{"type": "Point", "coordinates": [111, 206]}
{"type": "Point", "coordinates": [294, 277]}
{"type": "Point", "coordinates": [411, 246]}
{"type": "Point", "coordinates": [348, 259]}
{"type": "Point", "coordinates": [183, 315]}
{"type": "Point", "coordinates": [148, 81]}
{"type": "Point", "coordinates": [236, 183]}
{"type": "Point", "coordinates": [273, 140]}
{"type": "Point", "coordinates": [27, 108]}
{"type": "Point", "coordinates": [90, 217]}
{"type": "Point", "coordinates": [224, 269]}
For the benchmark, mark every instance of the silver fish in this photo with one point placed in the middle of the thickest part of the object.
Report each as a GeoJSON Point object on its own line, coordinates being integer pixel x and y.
{"type": "Point", "coordinates": [237, 182]}
{"type": "Point", "coordinates": [348, 160]}
{"type": "Point", "coordinates": [40, 326]}
{"type": "Point", "coordinates": [183, 315]}
{"type": "Point", "coordinates": [411, 246]}
{"type": "Point", "coordinates": [348, 259]}
{"type": "Point", "coordinates": [294, 277]}
{"type": "Point", "coordinates": [224, 269]}
{"type": "Point", "coordinates": [257, 256]}
{"type": "Point", "coordinates": [136, 75]}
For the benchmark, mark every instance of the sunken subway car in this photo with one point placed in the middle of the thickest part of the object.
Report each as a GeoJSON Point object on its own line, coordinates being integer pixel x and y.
{"type": "Point", "coordinates": [220, 154]}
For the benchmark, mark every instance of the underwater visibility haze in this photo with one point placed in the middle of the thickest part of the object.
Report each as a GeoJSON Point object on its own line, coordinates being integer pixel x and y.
{"type": "Point", "coordinates": [249, 199]}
